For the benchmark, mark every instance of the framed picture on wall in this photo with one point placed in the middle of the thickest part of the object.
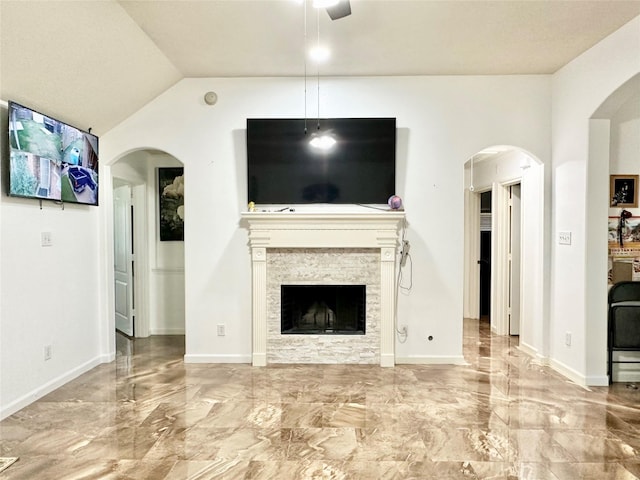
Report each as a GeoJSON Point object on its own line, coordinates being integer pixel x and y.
{"type": "Point", "coordinates": [623, 191]}
{"type": "Point", "coordinates": [171, 203]}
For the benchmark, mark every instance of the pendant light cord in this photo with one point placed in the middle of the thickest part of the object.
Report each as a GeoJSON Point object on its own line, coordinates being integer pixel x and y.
{"type": "Point", "coordinates": [318, 63]}
{"type": "Point", "coordinates": [305, 67]}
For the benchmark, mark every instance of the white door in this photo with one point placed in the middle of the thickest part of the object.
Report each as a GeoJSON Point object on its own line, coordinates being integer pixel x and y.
{"type": "Point", "coordinates": [123, 259]}
{"type": "Point", "coordinates": [515, 259]}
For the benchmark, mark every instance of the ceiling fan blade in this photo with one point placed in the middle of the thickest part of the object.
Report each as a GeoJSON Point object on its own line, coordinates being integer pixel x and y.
{"type": "Point", "coordinates": [339, 10]}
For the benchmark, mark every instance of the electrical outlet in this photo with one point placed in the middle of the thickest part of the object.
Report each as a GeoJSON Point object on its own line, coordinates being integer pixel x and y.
{"type": "Point", "coordinates": [221, 330]}
{"type": "Point", "coordinates": [48, 352]}
{"type": "Point", "coordinates": [46, 239]}
{"type": "Point", "coordinates": [567, 339]}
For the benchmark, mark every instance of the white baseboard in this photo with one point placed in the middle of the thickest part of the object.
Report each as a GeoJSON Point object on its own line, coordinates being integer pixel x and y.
{"type": "Point", "coordinates": [533, 352]}
{"type": "Point", "coordinates": [189, 358]}
{"type": "Point", "coordinates": [50, 386]}
{"type": "Point", "coordinates": [528, 349]}
{"type": "Point", "coordinates": [107, 357]}
{"type": "Point", "coordinates": [431, 360]}
{"type": "Point", "coordinates": [578, 378]}
{"type": "Point", "coordinates": [568, 372]}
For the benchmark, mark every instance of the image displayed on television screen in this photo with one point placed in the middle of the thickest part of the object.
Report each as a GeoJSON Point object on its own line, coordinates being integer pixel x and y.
{"type": "Point", "coordinates": [50, 159]}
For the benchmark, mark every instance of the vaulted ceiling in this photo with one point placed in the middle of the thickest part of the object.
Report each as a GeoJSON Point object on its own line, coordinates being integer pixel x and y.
{"type": "Point", "coordinates": [93, 63]}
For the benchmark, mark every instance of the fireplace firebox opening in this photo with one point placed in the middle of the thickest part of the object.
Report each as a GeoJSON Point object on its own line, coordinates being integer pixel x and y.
{"type": "Point", "coordinates": [323, 309]}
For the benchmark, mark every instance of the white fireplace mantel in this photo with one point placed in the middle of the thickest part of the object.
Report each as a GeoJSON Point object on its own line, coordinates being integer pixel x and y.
{"type": "Point", "coordinates": [324, 228]}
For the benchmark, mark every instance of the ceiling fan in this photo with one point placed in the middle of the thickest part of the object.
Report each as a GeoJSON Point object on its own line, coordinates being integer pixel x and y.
{"type": "Point", "coordinates": [335, 8]}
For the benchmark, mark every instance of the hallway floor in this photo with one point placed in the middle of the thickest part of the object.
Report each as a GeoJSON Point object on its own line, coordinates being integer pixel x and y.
{"type": "Point", "coordinates": [149, 416]}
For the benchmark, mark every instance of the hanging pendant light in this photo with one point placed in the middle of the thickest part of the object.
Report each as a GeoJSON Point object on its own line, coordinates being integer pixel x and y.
{"type": "Point", "coordinates": [319, 140]}
{"type": "Point", "coordinates": [322, 141]}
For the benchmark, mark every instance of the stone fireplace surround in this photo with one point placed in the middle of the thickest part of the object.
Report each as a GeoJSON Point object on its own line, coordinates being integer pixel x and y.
{"type": "Point", "coordinates": [295, 247]}
{"type": "Point", "coordinates": [323, 266]}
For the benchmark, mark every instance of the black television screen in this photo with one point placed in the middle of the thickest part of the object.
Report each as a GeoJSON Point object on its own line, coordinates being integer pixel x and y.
{"type": "Point", "coordinates": [283, 168]}
{"type": "Point", "coordinates": [49, 159]}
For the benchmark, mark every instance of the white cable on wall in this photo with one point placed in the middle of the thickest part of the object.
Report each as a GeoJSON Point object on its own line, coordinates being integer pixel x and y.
{"type": "Point", "coordinates": [402, 334]}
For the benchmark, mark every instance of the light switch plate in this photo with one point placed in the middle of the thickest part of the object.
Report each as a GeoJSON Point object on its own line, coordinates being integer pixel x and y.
{"type": "Point", "coordinates": [564, 238]}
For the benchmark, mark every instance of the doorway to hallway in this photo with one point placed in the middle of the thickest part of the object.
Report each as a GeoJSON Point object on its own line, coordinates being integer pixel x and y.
{"type": "Point", "coordinates": [485, 255]}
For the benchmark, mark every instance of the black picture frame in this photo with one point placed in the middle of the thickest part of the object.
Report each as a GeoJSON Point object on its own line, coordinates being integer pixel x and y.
{"type": "Point", "coordinates": [623, 191]}
{"type": "Point", "coordinates": [171, 204]}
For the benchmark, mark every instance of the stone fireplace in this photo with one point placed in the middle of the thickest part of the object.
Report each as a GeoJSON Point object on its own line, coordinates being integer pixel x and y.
{"type": "Point", "coordinates": [335, 246]}
{"type": "Point", "coordinates": [323, 267]}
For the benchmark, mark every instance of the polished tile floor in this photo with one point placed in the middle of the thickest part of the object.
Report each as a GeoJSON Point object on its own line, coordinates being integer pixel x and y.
{"type": "Point", "coordinates": [149, 416]}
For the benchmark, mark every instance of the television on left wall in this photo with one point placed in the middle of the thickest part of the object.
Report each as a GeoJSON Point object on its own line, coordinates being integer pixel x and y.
{"type": "Point", "coordinates": [50, 159]}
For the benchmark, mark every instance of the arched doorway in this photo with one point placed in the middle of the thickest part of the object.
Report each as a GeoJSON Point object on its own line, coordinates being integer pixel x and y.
{"type": "Point", "coordinates": [517, 294]}
{"type": "Point", "coordinates": [614, 133]}
{"type": "Point", "coordinates": [156, 295]}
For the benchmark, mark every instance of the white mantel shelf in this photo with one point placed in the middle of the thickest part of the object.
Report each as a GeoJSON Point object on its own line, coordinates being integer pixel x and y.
{"type": "Point", "coordinates": [337, 227]}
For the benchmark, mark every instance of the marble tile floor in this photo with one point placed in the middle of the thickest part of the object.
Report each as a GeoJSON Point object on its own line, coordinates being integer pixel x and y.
{"type": "Point", "coordinates": [147, 415]}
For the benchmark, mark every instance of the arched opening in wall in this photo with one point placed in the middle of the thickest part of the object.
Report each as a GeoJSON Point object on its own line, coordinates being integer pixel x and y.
{"type": "Point", "coordinates": [614, 143]}
{"type": "Point", "coordinates": [148, 240]}
{"type": "Point", "coordinates": [505, 239]}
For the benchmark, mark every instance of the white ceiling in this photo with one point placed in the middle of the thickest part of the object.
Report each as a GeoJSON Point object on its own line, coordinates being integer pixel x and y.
{"type": "Point", "coordinates": [95, 62]}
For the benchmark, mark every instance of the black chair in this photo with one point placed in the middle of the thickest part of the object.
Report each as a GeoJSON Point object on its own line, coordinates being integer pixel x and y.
{"type": "Point", "coordinates": [624, 321]}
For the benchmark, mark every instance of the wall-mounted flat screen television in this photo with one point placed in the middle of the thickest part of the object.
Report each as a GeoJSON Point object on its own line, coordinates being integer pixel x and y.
{"type": "Point", "coordinates": [49, 159]}
{"type": "Point", "coordinates": [283, 168]}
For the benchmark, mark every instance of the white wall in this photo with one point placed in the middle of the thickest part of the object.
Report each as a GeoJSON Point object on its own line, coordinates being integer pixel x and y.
{"type": "Point", "coordinates": [132, 169]}
{"type": "Point", "coordinates": [503, 168]}
{"type": "Point", "coordinates": [625, 137]}
{"type": "Point", "coordinates": [50, 295]}
{"type": "Point", "coordinates": [167, 294]}
{"type": "Point", "coordinates": [580, 204]}
{"type": "Point", "coordinates": [441, 122]}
